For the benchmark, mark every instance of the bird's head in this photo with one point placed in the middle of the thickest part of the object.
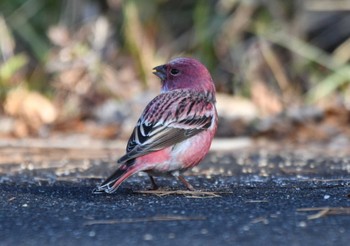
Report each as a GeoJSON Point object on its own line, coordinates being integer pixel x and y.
{"type": "Point", "coordinates": [184, 73]}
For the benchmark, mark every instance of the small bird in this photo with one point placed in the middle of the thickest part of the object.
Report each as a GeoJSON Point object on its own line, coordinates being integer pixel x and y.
{"type": "Point", "coordinates": [175, 131]}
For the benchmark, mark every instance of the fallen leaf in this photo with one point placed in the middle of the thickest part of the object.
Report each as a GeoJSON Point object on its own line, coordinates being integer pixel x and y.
{"type": "Point", "coordinates": [32, 108]}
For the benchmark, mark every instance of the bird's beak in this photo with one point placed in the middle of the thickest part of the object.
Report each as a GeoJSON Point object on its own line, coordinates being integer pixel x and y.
{"type": "Point", "coordinates": [160, 71]}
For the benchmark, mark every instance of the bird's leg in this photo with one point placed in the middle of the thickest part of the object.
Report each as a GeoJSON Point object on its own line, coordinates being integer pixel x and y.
{"type": "Point", "coordinates": [154, 185]}
{"type": "Point", "coordinates": [184, 181]}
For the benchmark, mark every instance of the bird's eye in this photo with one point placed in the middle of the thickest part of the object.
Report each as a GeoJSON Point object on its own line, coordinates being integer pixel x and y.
{"type": "Point", "coordinates": [174, 71]}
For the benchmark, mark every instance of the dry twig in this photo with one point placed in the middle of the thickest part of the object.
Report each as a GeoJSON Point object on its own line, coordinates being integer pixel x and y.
{"type": "Point", "coordinates": [138, 220]}
{"type": "Point", "coordinates": [324, 211]}
{"type": "Point", "coordinates": [256, 201]}
{"type": "Point", "coordinates": [187, 193]}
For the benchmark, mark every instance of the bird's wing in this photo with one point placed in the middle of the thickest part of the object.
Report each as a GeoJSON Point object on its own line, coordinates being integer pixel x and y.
{"type": "Point", "coordinates": [168, 119]}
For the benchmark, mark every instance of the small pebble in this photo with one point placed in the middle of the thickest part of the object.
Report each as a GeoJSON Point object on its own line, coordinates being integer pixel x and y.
{"type": "Point", "coordinates": [326, 197]}
{"type": "Point", "coordinates": [246, 228]}
{"type": "Point", "coordinates": [302, 224]}
{"type": "Point", "coordinates": [147, 237]}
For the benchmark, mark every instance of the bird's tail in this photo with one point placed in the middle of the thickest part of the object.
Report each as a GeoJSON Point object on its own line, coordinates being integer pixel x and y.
{"type": "Point", "coordinates": [112, 183]}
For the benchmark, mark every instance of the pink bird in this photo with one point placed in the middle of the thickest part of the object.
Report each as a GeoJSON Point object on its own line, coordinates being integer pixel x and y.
{"type": "Point", "coordinates": [175, 131]}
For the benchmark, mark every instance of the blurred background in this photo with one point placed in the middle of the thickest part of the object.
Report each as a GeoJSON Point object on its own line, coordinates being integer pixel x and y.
{"type": "Point", "coordinates": [80, 67]}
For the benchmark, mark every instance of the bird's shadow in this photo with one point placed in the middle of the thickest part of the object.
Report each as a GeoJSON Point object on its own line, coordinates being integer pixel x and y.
{"type": "Point", "coordinates": [77, 191]}
{"type": "Point", "coordinates": [82, 190]}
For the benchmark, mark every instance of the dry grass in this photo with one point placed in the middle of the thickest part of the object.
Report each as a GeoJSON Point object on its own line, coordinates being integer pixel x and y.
{"type": "Point", "coordinates": [325, 211]}
{"type": "Point", "coordinates": [142, 220]}
{"type": "Point", "coordinates": [186, 193]}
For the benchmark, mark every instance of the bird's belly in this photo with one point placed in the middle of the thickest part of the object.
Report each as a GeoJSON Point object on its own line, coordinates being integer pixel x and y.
{"type": "Point", "coordinates": [191, 151]}
{"type": "Point", "coordinates": [183, 156]}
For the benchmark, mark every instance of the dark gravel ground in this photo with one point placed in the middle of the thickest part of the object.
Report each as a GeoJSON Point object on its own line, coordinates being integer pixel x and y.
{"type": "Point", "coordinates": [260, 197]}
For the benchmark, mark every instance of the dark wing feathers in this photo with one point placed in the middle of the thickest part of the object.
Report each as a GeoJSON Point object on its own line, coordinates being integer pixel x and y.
{"type": "Point", "coordinates": [170, 118]}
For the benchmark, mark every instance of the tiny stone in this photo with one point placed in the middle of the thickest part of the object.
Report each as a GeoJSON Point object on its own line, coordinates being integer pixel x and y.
{"type": "Point", "coordinates": [25, 205]}
{"type": "Point", "coordinates": [92, 233]}
{"type": "Point", "coordinates": [246, 228]}
{"type": "Point", "coordinates": [326, 196]}
{"type": "Point", "coordinates": [302, 224]}
{"type": "Point", "coordinates": [147, 237]}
